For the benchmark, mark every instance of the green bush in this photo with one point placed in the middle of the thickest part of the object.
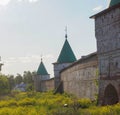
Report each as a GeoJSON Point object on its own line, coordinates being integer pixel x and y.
{"type": "Point", "coordinates": [27, 101]}
{"type": "Point", "coordinates": [84, 103]}
{"type": "Point", "coordinates": [12, 103]}
{"type": "Point", "coordinates": [4, 85]}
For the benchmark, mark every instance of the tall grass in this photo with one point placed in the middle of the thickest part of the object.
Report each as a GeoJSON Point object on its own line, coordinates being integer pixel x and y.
{"type": "Point", "coordinates": [32, 103]}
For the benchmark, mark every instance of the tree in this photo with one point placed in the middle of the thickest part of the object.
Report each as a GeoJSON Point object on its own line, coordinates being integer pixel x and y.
{"type": "Point", "coordinates": [18, 79]}
{"type": "Point", "coordinates": [28, 79]}
{"type": "Point", "coordinates": [11, 81]}
{"type": "Point", "coordinates": [4, 85]}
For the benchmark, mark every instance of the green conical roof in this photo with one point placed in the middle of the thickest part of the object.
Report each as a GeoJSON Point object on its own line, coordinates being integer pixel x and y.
{"type": "Point", "coordinates": [114, 2]}
{"type": "Point", "coordinates": [42, 70]}
{"type": "Point", "coordinates": [66, 55]}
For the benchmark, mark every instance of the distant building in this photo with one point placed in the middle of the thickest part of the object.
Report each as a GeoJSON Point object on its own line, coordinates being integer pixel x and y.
{"type": "Point", "coordinates": [42, 75]}
{"type": "Point", "coordinates": [107, 32]}
{"type": "Point", "coordinates": [20, 87]}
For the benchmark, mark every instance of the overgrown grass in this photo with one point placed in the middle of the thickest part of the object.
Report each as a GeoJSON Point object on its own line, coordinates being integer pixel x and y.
{"type": "Point", "coordinates": [32, 103]}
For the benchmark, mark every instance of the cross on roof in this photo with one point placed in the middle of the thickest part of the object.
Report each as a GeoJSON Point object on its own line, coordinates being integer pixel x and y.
{"type": "Point", "coordinates": [66, 32]}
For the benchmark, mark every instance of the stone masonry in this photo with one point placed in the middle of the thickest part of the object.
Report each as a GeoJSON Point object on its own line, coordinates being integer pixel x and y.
{"type": "Point", "coordinates": [57, 68]}
{"type": "Point", "coordinates": [81, 77]}
{"type": "Point", "coordinates": [47, 85]}
{"type": "Point", "coordinates": [107, 32]}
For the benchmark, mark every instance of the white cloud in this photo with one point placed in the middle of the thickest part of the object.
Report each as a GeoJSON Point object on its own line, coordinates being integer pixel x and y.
{"type": "Point", "coordinates": [98, 8]}
{"type": "Point", "coordinates": [4, 2]}
{"type": "Point", "coordinates": [13, 65]}
{"type": "Point", "coordinates": [31, 1]}
{"type": "Point", "coordinates": [48, 56]}
{"type": "Point", "coordinates": [27, 59]}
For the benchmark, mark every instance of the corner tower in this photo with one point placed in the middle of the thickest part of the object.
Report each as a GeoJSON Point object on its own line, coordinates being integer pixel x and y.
{"type": "Point", "coordinates": [65, 58]}
{"type": "Point", "coordinates": [107, 32]}
{"type": "Point", "coordinates": [42, 74]}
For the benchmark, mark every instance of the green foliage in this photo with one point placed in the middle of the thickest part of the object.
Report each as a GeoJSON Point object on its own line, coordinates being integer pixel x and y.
{"type": "Point", "coordinates": [32, 103]}
{"type": "Point", "coordinates": [27, 101]}
{"type": "Point", "coordinates": [97, 75]}
{"type": "Point", "coordinates": [30, 87]}
{"type": "Point", "coordinates": [11, 81]}
{"type": "Point", "coordinates": [28, 76]}
{"type": "Point", "coordinates": [28, 79]}
{"type": "Point", "coordinates": [4, 85]}
{"type": "Point", "coordinates": [8, 83]}
{"type": "Point", "coordinates": [84, 103]}
{"type": "Point", "coordinates": [18, 79]}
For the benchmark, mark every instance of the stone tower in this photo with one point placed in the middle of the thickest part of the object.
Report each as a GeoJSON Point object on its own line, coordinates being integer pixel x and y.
{"type": "Point", "coordinates": [65, 58]}
{"type": "Point", "coordinates": [42, 74]}
{"type": "Point", "coordinates": [107, 32]}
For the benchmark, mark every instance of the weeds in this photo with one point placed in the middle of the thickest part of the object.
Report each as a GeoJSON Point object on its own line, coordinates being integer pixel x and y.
{"type": "Point", "coordinates": [32, 103]}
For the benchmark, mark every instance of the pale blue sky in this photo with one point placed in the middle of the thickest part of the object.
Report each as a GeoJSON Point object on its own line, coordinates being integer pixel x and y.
{"type": "Point", "coordinates": [29, 28]}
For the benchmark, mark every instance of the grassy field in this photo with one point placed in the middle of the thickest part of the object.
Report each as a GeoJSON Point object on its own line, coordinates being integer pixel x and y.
{"type": "Point", "coordinates": [32, 103]}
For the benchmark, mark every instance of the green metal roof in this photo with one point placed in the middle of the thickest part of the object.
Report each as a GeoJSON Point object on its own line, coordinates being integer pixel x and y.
{"type": "Point", "coordinates": [42, 70]}
{"type": "Point", "coordinates": [66, 55]}
{"type": "Point", "coordinates": [114, 2]}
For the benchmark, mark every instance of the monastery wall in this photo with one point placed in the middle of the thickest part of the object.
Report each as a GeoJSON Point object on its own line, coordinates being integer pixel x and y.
{"type": "Point", "coordinates": [47, 85]}
{"type": "Point", "coordinates": [80, 79]}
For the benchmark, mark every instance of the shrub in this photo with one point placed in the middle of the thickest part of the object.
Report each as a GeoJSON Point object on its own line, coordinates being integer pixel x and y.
{"type": "Point", "coordinates": [3, 104]}
{"type": "Point", "coordinates": [27, 101]}
{"type": "Point", "coordinates": [12, 103]}
{"type": "Point", "coordinates": [33, 103]}
{"type": "Point", "coordinates": [84, 103]}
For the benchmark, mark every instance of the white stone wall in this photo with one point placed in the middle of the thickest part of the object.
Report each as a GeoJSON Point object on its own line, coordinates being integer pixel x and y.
{"type": "Point", "coordinates": [44, 77]}
{"type": "Point", "coordinates": [110, 64]}
{"type": "Point", "coordinates": [37, 84]}
{"type": "Point", "coordinates": [57, 68]}
{"type": "Point", "coordinates": [38, 81]}
{"type": "Point", "coordinates": [107, 31]}
{"type": "Point", "coordinates": [80, 80]}
{"type": "Point", "coordinates": [47, 85]}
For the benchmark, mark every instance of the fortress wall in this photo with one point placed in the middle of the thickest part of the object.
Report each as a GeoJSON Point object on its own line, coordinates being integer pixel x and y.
{"type": "Point", "coordinates": [47, 85]}
{"type": "Point", "coordinates": [81, 78]}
